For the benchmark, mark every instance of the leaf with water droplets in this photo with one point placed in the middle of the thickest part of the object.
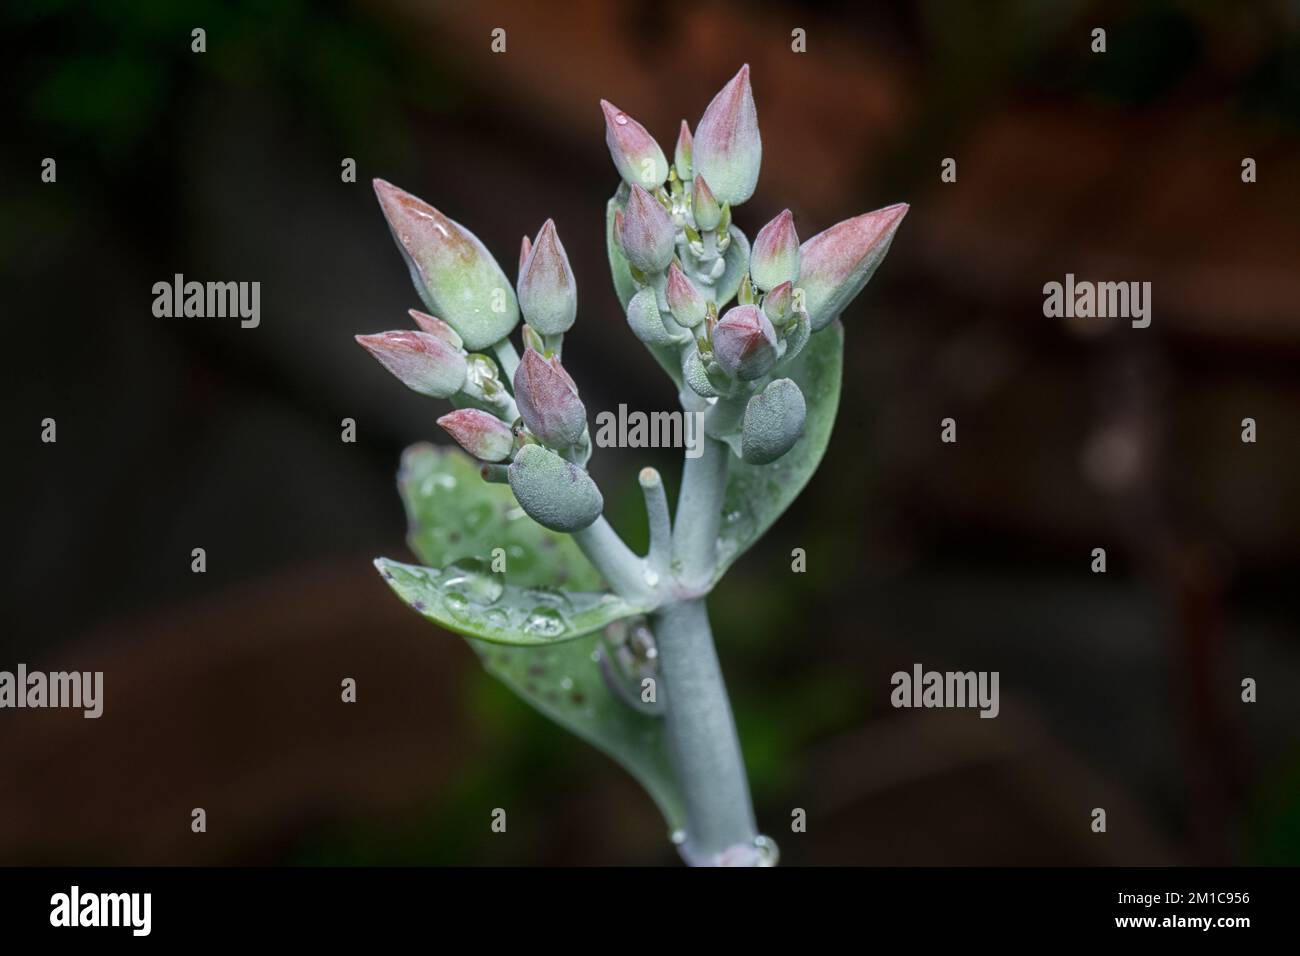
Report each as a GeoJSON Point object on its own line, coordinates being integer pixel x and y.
{"type": "Point", "coordinates": [471, 599]}
{"type": "Point", "coordinates": [487, 560]}
{"type": "Point", "coordinates": [757, 495]}
{"type": "Point", "coordinates": [455, 521]}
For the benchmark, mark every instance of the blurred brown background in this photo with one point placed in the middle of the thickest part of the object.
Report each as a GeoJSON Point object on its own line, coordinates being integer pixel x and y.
{"type": "Point", "coordinates": [222, 690]}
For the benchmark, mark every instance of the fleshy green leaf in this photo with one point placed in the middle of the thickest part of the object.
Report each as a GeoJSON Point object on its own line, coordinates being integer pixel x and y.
{"type": "Point", "coordinates": [467, 597]}
{"type": "Point", "coordinates": [456, 518]}
{"type": "Point", "coordinates": [758, 494]}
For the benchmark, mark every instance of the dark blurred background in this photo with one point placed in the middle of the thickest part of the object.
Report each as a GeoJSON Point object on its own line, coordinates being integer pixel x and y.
{"type": "Point", "coordinates": [1119, 690]}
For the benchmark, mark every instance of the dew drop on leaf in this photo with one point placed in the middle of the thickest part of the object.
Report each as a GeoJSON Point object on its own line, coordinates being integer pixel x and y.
{"type": "Point", "coordinates": [474, 579]}
{"type": "Point", "coordinates": [545, 622]}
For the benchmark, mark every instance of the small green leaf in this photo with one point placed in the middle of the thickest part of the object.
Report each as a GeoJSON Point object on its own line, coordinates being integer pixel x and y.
{"type": "Point", "coordinates": [468, 598]}
{"type": "Point", "coordinates": [456, 519]}
{"type": "Point", "coordinates": [758, 494]}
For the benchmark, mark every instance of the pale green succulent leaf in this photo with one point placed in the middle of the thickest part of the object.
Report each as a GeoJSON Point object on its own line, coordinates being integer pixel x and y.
{"type": "Point", "coordinates": [757, 495]}
{"type": "Point", "coordinates": [456, 517]}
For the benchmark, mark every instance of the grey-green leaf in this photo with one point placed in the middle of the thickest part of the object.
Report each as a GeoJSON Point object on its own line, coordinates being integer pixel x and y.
{"type": "Point", "coordinates": [757, 495]}
{"type": "Point", "coordinates": [456, 518]}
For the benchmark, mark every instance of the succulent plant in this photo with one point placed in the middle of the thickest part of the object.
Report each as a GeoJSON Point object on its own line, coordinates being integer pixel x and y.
{"type": "Point", "coordinates": [517, 556]}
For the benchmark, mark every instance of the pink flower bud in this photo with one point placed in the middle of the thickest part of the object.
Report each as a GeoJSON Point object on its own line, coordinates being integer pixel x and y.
{"type": "Point", "coordinates": [454, 273]}
{"type": "Point", "coordinates": [837, 263]}
{"type": "Point", "coordinates": [682, 154]}
{"type": "Point", "coordinates": [482, 435]}
{"type": "Point", "coordinates": [637, 156]}
{"type": "Point", "coordinates": [548, 294]}
{"type": "Point", "coordinates": [525, 247]}
{"type": "Point", "coordinates": [436, 327]}
{"type": "Point", "coordinates": [684, 300]}
{"type": "Point", "coordinates": [744, 343]}
{"type": "Point", "coordinates": [704, 205]}
{"type": "Point", "coordinates": [424, 363]}
{"type": "Point", "coordinates": [728, 150]}
{"type": "Point", "coordinates": [548, 401]}
{"type": "Point", "coordinates": [778, 302]}
{"type": "Point", "coordinates": [648, 237]}
{"type": "Point", "coordinates": [774, 257]}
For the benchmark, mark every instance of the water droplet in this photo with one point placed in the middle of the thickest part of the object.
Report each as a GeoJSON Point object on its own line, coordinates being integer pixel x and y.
{"type": "Point", "coordinates": [457, 605]}
{"type": "Point", "coordinates": [620, 119]}
{"type": "Point", "coordinates": [678, 837]}
{"type": "Point", "coordinates": [567, 683]}
{"type": "Point", "coordinates": [552, 597]}
{"type": "Point", "coordinates": [496, 617]}
{"type": "Point", "coordinates": [651, 577]}
{"type": "Point", "coordinates": [474, 578]}
{"type": "Point", "coordinates": [545, 622]}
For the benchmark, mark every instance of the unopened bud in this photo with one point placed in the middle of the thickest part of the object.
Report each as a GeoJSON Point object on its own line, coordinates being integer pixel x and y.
{"type": "Point", "coordinates": [548, 401]}
{"type": "Point", "coordinates": [555, 493]}
{"type": "Point", "coordinates": [744, 343]}
{"type": "Point", "coordinates": [647, 237]}
{"type": "Point", "coordinates": [548, 293]}
{"type": "Point", "coordinates": [774, 257]}
{"type": "Point", "coordinates": [728, 150]}
{"type": "Point", "coordinates": [637, 156]}
{"type": "Point", "coordinates": [773, 422]}
{"type": "Point", "coordinates": [424, 363]}
{"type": "Point", "coordinates": [684, 300]}
{"type": "Point", "coordinates": [482, 435]}
{"type": "Point", "coordinates": [837, 263]}
{"type": "Point", "coordinates": [704, 205]}
{"type": "Point", "coordinates": [454, 273]}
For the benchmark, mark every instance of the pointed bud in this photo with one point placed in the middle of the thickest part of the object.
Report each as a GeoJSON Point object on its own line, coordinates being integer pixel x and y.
{"type": "Point", "coordinates": [744, 343]}
{"type": "Point", "coordinates": [454, 273]}
{"type": "Point", "coordinates": [638, 157]}
{"type": "Point", "coordinates": [728, 151]}
{"type": "Point", "coordinates": [423, 362]}
{"type": "Point", "coordinates": [548, 401]}
{"type": "Point", "coordinates": [837, 263]}
{"type": "Point", "coordinates": [647, 237]}
{"type": "Point", "coordinates": [532, 340]}
{"type": "Point", "coordinates": [482, 435]}
{"type": "Point", "coordinates": [774, 257]}
{"type": "Point", "coordinates": [684, 300]}
{"type": "Point", "coordinates": [773, 422]}
{"type": "Point", "coordinates": [548, 294]}
{"type": "Point", "coordinates": [704, 206]}
{"type": "Point", "coordinates": [682, 154]}
{"type": "Point", "coordinates": [646, 320]}
{"type": "Point", "coordinates": [525, 247]}
{"type": "Point", "coordinates": [436, 327]}
{"type": "Point", "coordinates": [778, 302]}
{"type": "Point", "coordinates": [553, 492]}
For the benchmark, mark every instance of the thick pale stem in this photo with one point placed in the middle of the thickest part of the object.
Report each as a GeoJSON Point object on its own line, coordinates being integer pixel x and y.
{"type": "Point", "coordinates": [616, 562]}
{"type": "Point", "coordinates": [702, 741]}
{"type": "Point", "coordinates": [699, 514]}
